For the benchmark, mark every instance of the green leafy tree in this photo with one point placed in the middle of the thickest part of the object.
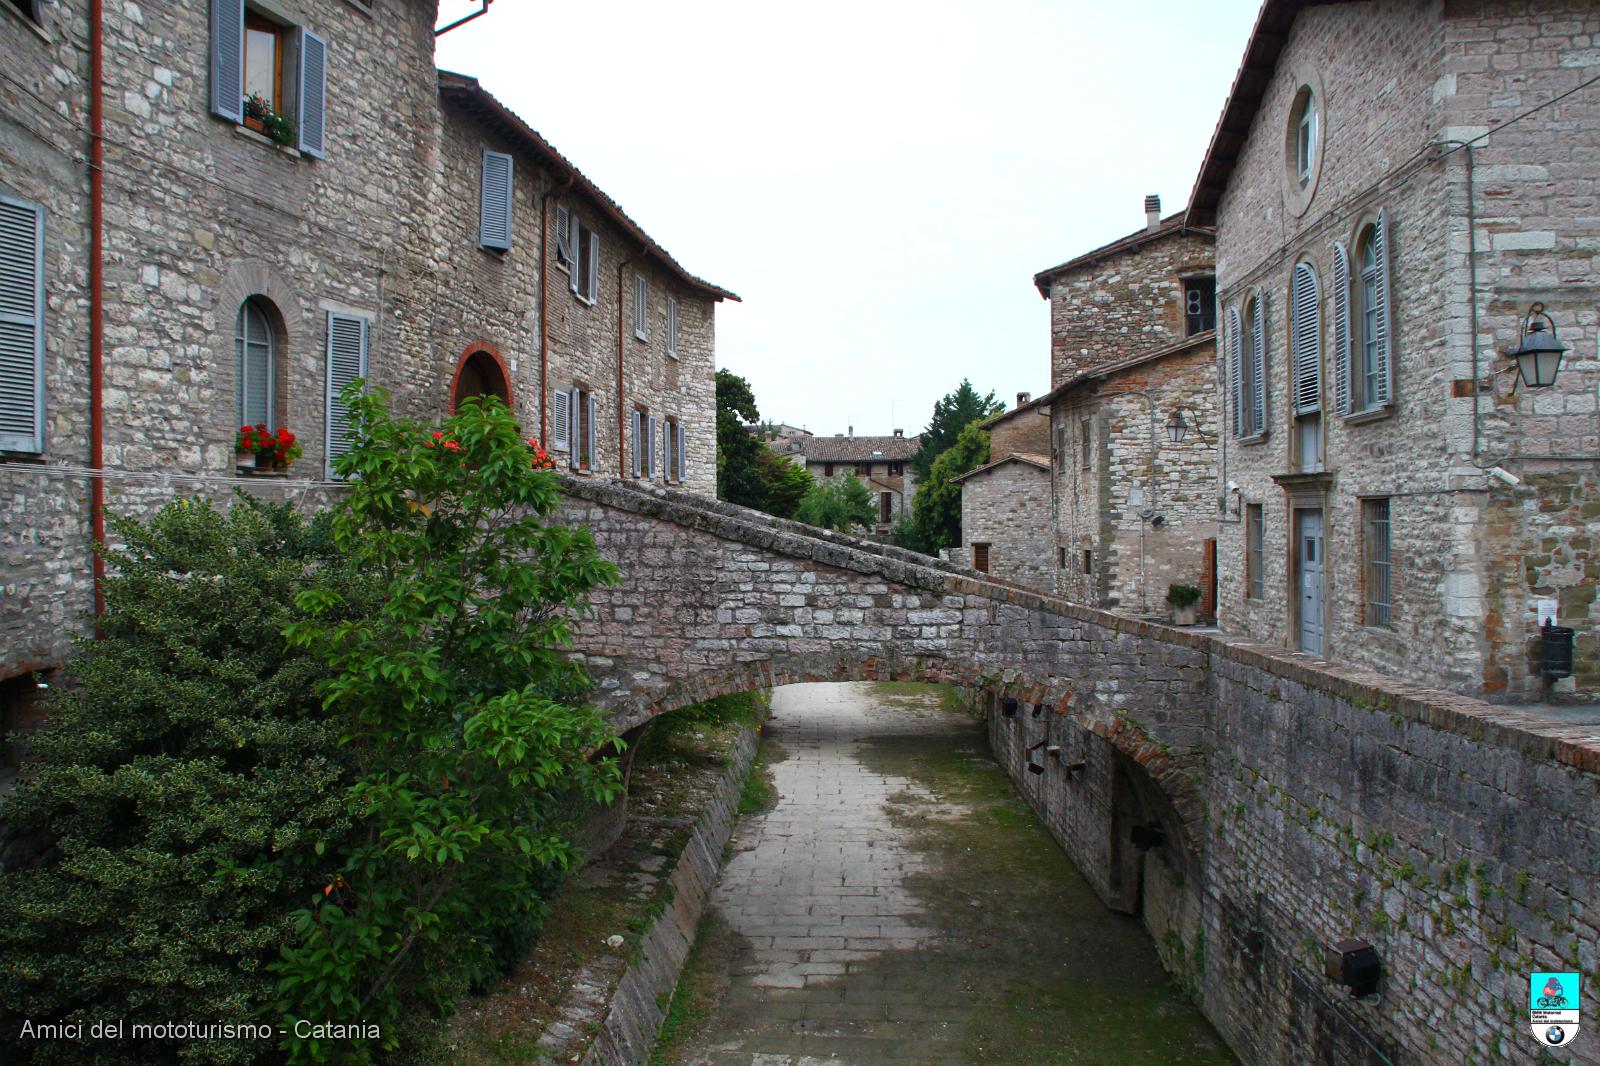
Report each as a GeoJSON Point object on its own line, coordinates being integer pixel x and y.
{"type": "Point", "coordinates": [785, 484]}
{"type": "Point", "coordinates": [462, 712]}
{"type": "Point", "coordinates": [187, 791]}
{"type": "Point", "coordinates": [841, 504]}
{"type": "Point", "coordinates": [748, 472]}
{"type": "Point", "coordinates": [936, 508]}
{"type": "Point", "coordinates": [951, 415]}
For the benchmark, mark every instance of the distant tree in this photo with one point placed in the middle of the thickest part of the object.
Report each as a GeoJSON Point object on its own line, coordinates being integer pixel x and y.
{"type": "Point", "coordinates": [950, 416]}
{"type": "Point", "coordinates": [784, 484]}
{"type": "Point", "coordinates": [840, 504]}
{"type": "Point", "coordinates": [936, 509]}
{"type": "Point", "coordinates": [739, 451]}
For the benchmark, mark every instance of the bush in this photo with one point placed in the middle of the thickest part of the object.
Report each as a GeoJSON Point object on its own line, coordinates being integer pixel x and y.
{"type": "Point", "coordinates": [841, 504]}
{"type": "Point", "coordinates": [462, 711]}
{"type": "Point", "coordinates": [188, 784]}
{"type": "Point", "coordinates": [1181, 596]}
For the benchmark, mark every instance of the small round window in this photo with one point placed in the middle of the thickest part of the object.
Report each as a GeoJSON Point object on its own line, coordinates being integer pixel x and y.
{"type": "Point", "coordinates": [1304, 119]}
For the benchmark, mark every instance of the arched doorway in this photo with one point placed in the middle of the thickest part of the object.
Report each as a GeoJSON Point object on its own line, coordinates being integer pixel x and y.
{"type": "Point", "coordinates": [480, 372]}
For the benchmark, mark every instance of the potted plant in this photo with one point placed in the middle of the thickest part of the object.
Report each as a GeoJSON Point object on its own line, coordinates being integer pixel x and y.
{"type": "Point", "coordinates": [286, 449]}
{"type": "Point", "coordinates": [1183, 599]}
{"type": "Point", "coordinates": [255, 448]}
{"type": "Point", "coordinates": [259, 116]}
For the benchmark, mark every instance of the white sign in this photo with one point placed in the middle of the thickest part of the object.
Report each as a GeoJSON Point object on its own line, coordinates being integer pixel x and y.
{"type": "Point", "coordinates": [1547, 611]}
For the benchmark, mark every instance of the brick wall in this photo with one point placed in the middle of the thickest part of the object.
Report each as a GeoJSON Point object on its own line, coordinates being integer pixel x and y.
{"type": "Point", "coordinates": [1025, 432]}
{"type": "Point", "coordinates": [1008, 508]}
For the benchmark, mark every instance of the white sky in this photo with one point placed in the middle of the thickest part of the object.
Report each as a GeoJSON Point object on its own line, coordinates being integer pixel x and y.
{"type": "Point", "coordinates": [878, 180]}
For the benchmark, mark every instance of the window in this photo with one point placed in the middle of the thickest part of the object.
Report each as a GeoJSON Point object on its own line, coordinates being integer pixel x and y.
{"type": "Point", "coordinates": [255, 365]}
{"type": "Point", "coordinates": [1062, 450]}
{"type": "Point", "coordinates": [349, 337]}
{"type": "Point", "coordinates": [885, 507]}
{"type": "Point", "coordinates": [1371, 382]}
{"type": "Point", "coordinates": [641, 304]}
{"type": "Point", "coordinates": [672, 451]}
{"type": "Point", "coordinates": [1304, 119]}
{"type": "Point", "coordinates": [1376, 541]}
{"type": "Point", "coordinates": [897, 470]}
{"type": "Point", "coordinates": [21, 326]}
{"type": "Point", "coordinates": [863, 470]}
{"type": "Point", "coordinates": [263, 70]}
{"type": "Point", "coordinates": [1199, 305]}
{"type": "Point", "coordinates": [29, 9]}
{"type": "Point", "coordinates": [644, 444]}
{"type": "Point", "coordinates": [494, 201]}
{"type": "Point", "coordinates": [573, 429]}
{"type": "Point", "coordinates": [1247, 368]}
{"type": "Point", "coordinates": [827, 469]}
{"type": "Point", "coordinates": [1086, 460]}
{"type": "Point", "coordinates": [980, 558]}
{"type": "Point", "coordinates": [1088, 561]}
{"type": "Point", "coordinates": [672, 326]}
{"type": "Point", "coordinates": [1305, 349]}
{"type": "Point", "coordinates": [582, 256]}
{"type": "Point", "coordinates": [1061, 557]}
{"type": "Point", "coordinates": [1255, 530]}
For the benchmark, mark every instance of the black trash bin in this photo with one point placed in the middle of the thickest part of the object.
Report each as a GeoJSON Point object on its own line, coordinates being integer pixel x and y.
{"type": "Point", "coordinates": [1556, 650]}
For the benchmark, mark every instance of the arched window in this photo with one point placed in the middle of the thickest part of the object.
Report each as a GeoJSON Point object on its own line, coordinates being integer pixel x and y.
{"type": "Point", "coordinates": [1304, 121]}
{"type": "Point", "coordinates": [480, 373]}
{"type": "Point", "coordinates": [256, 352]}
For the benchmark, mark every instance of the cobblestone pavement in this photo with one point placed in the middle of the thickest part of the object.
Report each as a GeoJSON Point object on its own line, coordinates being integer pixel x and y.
{"type": "Point", "coordinates": [900, 905]}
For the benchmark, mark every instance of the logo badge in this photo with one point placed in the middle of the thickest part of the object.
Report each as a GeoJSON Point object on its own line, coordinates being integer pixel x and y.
{"type": "Point", "coordinates": [1553, 1007]}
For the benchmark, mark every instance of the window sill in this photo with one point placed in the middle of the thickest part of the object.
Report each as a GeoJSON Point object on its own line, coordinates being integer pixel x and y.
{"type": "Point", "coordinates": [363, 6]}
{"type": "Point", "coordinates": [587, 301]}
{"type": "Point", "coordinates": [672, 355]}
{"type": "Point", "coordinates": [267, 142]}
{"type": "Point", "coordinates": [1254, 438]}
{"type": "Point", "coordinates": [641, 338]}
{"type": "Point", "coordinates": [1371, 414]}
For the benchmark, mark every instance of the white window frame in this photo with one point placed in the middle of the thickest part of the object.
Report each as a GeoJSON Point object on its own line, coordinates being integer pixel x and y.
{"type": "Point", "coordinates": [241, 347]}
{"type": "Point", "coordinates": [1305, 145]}
{"type": "Point", "coordinates": [641, 307]}
{"type": "Point", "coordinates": [672, 326]}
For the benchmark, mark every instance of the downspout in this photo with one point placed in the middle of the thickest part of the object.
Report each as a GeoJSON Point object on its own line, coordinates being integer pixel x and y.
{"type": "Point", "coordinates": [622, 344]}
{"type": "Point", "coordinates": [544, 312]}
{"type": "Point", "coordinates": [97, 484]}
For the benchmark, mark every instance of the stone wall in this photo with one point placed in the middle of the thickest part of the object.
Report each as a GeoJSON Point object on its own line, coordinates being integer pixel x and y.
{"type": "Point", "coordinates": [1025, 432]}
{"type": "Point", "coordinates": [1008, 508]}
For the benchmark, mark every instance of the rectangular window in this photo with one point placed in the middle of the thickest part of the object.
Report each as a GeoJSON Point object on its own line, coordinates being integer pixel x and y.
{"type": "Point", "coordinates": [1062, 448]}
{"type": "Point", "coordinates": [583, 246]}
{"type": "Point", "coordinates": [897, 470]}
{"type": "Point", "coordinates": [264, 46]}
{"type": "Point", "coordinates": [641, 304]}
{"type": "Point", "coordinates": [644, 444]}
{"type": "Point", "coordinates": [494, 201]}
{"type": "Point", "coordinates": [863, 470]}
{"type": "Point", "coordinates": [672, 326]}
{"type": "Point", "coordinates": [21, 326]}
{"type": "Point", "coordinates": [1088, 561]}
{"type": "Point", "coordinates": [348, 339]}
{"type": "Point", "coordinates": [1376, 542]}
{"type": "Point", "coordinates": [827, 469]}
{"type": "Point", "coordinates": [980, 558]}
{"type": "Point", "coordinates": [1061, 558]}
{"type": "Point", "coordinates": [1086, 461]}
{"type": "Point", "coordinates": [1199, 305]}
{"type": "Point", "coordinates": [269, 76]}
{"type": "Point", "coordinates": [580, 428]}
{"type": "Point", "coordinates": [885, 506]}
{"type": "Point", "coordinates": [1255, 535]}
{"type": "Point", "coordinates": [671, 442]}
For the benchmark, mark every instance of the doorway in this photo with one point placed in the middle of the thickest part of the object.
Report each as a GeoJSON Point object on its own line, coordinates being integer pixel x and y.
{"type": "Point", "coordinates": [480, 373]}
{"type": "Point", "coordinates": [1310, 553]}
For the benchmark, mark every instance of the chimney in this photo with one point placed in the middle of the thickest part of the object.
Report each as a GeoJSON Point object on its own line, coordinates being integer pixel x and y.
{"type": "Point", "coordinates": [850, 431]}
{"type": "Point", "coordinates": [1023, 398]}
{"type": "Point", "coordinates": [1152, 212]}
{"type": "Point", "coordinates": [899, 432]}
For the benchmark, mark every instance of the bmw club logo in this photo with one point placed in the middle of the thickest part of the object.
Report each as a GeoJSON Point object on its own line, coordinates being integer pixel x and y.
{"type": "Point", "coordinates": [1553, 1007]}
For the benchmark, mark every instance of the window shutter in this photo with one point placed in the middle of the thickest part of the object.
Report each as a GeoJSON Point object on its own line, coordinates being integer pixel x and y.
{"type": "Point", "coordinates": [574, 247]}
{"type": "Point", "coordinates": [561, 415]}
{"type": "Point", "coordinates": [1304, 340]}
{"type": "Point", "coordinates": [1258, 367]}
{"type": "Point", "coordinates": [633, 439]}
{"type": "Point", "coordinates": [672, 325]}
{"type": "Point", "coordinates": [641, 302]}
{"type": "Point", "coordinates": [227, 58]}
{"type": "Point", "coordinates": [588, 402]}
{"type": "Point", "coordinates": [494, 204]}
{"type": "Point", "coordinates": [1341, 329]}
{"type": "Point", "coordinates": [1235, 372]}
{"type": "Point", "coordinates": [593, 280]}
{"type": "Point", "coordinates": [348, 337]}
{"type": "Point", "coordinates": [1385, 386]}
{"type": "Point", "coordinates": [21, 326]}
{"type": "Point", "coordinates": [650, 449]}
{"type": "Point", "coordinates": [313, 95]}
{"type": "Point", "coordinates": [678, 454]}
{"type": "Point", "coordinates": [563, 236]}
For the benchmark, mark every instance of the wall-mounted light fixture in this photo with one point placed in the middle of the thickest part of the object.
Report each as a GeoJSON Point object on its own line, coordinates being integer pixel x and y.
{"type": "Point", "coordinates": [1537, 354]}
{"type": "Point", "coordinates": [1178, 427]}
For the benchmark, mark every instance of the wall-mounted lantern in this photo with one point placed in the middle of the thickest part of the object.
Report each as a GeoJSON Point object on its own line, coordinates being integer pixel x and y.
{"type": "Point", "coordinates": [1538, 354]}
{"type": "Point", "coordinates": [1178, 428]}
{"type": "Point", "coordinates": [1354, 964]}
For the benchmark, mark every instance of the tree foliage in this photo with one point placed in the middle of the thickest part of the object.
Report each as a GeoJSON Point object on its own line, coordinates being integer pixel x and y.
{"type": "Point", "coordinates": [748, 472]}
{"type": "Point", "coordinates": [460, 710]}
{"type": "Point", "coordinates": [936, 508]}
{"type": "Point", "coordinates": [951, 415]}
{"type": "Point", "coordinates": [188, 787]}
{"type": "Point", "coordinates": [841, 504]}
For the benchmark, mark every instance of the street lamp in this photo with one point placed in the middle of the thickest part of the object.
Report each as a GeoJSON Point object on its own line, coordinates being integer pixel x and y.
{"type": "Point", "coordinates": [1178, 427]}
{"type": "Point", "coordinates": [1538, 354]}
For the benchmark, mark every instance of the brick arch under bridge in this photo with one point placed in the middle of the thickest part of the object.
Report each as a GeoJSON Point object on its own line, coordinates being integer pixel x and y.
{"type": "Point", "coordinates": [1302, 791]}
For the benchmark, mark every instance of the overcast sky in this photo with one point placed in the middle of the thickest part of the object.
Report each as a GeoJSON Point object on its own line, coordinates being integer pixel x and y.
{"type": "Point", "coordinates": [878, 180]}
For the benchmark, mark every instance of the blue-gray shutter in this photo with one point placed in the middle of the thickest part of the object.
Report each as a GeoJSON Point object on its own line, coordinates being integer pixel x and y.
{"type": "Point", "coordinates": [227, 58]}
{"type": "Point", "coordinates": [575, 249]}
{"type": "Point", "coordinates": [588, 403]}
{"type": "Point", "coordinates": [641, 305]}
{"type": "Point", "coordinates": [21, 326]}
{"type": "Point", "coordinates": [313, 94]}
{"type": "Point", "coordinates": [638, 449]}
{"type": "Point", "coordinates": [561, 417]}
{"type": "Point", "coordinates": [563, 236]}
{"type": "Point", "coordinates": [494, 202]}
{"type": "Point", "coordinates": [683, 460]}
{"type": "Point", "coordinates": [1380, 247]}
{"type": "Point", "coordinates": [1258, 366]}
{"type": "Point", "coordinates": [1341, 329]}
{"type": "Point", "coordinates": [672, 325]}
{"type": "Point", "coordinates": [650, 447]}
{"type": "Point", "coordinates": [1235, 375]}
{"type": "Point", "coordinates": [593, 280]}
{"type": "Point", "coordinates": [348, 337]}
{"type": "Point", "coordinates": [1305, 341]}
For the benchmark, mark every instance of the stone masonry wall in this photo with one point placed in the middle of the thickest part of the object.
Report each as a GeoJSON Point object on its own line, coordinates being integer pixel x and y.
{"type": "Point", "coordinates": [1008, 508]}
{"type": "Point", "coordinates": [1025, 432]}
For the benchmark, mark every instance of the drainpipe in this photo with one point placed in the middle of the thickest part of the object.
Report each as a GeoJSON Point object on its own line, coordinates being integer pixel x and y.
{"type": "Point", "coordinates": [544, 310]}
{"type": "Point", "coordinates": [622, 344]}
{"type": "Point", "coordinates": [97, 484]}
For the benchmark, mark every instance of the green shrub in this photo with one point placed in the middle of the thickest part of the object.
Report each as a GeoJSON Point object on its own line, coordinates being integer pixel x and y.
{"type": "Point", "coordinates": [190, 783]}
{"type": "Point", "coordinates": [461, 709]}
{"type": "Point", "coordinates": [1182, 595]}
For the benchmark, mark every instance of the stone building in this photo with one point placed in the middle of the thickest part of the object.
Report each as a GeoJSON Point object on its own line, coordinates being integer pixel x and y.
{"type": "Point", "coordinates": [1133, 418]}
{"type": "Point", "coordinates": [292, 197]}
{"type": "Point", "coordinates": [882, 463]}
{"type": "Point", "coordinates": [1005, 503]}
{"type": "Point", "coordinates": [1393, 185]}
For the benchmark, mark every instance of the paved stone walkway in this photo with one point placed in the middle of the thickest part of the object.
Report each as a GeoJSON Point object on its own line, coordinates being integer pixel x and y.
{"type": "Point", "coordinates": [866, 931]}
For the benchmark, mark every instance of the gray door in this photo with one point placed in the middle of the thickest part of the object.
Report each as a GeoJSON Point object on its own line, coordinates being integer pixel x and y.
{"type": "Point", "coordinates": [1310, 548]}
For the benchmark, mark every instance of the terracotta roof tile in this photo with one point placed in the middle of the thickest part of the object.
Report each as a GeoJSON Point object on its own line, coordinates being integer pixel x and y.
{"type": "Point", "coordinates": [861, 449]}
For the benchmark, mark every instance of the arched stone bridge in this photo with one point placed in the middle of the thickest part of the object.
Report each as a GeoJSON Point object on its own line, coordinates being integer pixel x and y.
{"type": "Point", "coordinates": [1281, 804]}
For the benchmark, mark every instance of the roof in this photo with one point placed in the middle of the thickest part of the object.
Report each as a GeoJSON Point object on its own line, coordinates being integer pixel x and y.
{"type": "Point", "coordinates": [861, 449]}
{"type": "Point", "coordinates": [467, 92]}
{"type": "Point", "coordinates": [1172, 225]}
{"type": "Point", "coordinates": [1027, 458]}
{"type": "Point", "coordinates": [996, 419]}
{"type": "Point", "coordinates": [1104, 370]}
{"type": "Point", "coordinates": [1267, 38]}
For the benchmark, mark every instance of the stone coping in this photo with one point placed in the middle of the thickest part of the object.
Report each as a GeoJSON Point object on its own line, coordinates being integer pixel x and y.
{"type": "Point", "coordinates": [1527, 734]}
